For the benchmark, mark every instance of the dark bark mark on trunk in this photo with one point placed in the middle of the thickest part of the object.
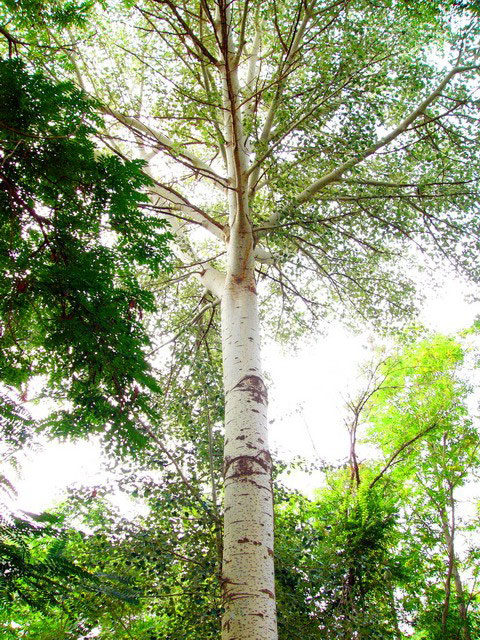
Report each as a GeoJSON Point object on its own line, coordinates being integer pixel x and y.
{"type": "Point", "coordinates": [231, 597]}
{"type": "Point", "coordinates": [256, 484]}
{"type": "Point", "coordinates": [247, 540]}
{"type": "Point", "coordinates": [239, 280]}
{"type": "Point", "coordinates": [248, 465]}
{"type": "Point", "coordinates": [255, 387]}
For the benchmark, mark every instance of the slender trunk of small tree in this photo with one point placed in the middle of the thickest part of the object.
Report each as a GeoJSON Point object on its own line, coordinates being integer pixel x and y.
{"type": "Point", "coordinates": [462, 609]}
{"type": "Point", "coordinates": [454, 572]}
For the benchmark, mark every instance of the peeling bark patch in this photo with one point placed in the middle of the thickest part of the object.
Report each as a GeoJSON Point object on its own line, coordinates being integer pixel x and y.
{"type": "Point", "coordinates": [239, 280]}
{"type": "Point", "coordinates": [255, 387]}
{"type": "Point", "coordinates": [269, 593]}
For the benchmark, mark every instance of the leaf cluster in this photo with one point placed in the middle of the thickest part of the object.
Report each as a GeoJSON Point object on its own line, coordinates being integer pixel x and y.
{"type": "Point", "coordinates": [76, 248]}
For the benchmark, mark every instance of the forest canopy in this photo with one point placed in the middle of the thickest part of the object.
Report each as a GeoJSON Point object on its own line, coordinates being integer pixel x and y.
{"type": "Point", "coordinates": [178, 180]}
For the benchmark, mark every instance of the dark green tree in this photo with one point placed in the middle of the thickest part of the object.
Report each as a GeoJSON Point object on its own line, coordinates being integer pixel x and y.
{"type": "Point", "coordinates": [77, 247]}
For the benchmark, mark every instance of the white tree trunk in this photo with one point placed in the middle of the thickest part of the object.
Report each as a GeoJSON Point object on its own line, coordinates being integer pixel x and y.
{"type": "Point", "coordinates": [247, 571]}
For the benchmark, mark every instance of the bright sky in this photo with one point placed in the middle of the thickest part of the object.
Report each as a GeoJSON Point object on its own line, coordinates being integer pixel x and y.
{"type": "Point", "coordinates": [306, 406]}
{"type": "Point", "coordinates": [308, 388]}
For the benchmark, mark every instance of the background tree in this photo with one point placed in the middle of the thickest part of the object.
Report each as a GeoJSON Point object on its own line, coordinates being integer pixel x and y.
{"type": "Point", "coordinates": [74, 247]}
{"type": "Point", "coordinates": [73, 243]}
{"type": "Point", "coordinates": [367, 556]}
{"type": "Point", "coordinates": [384, 549]}
{"type": "Point", "coordinates": [421, 421]}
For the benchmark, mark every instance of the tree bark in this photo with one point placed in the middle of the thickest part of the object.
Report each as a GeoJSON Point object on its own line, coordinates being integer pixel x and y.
{"type": "Point", "coordinates": [247, 573]}
{"type": "Point", "coordinates": [247, 581]}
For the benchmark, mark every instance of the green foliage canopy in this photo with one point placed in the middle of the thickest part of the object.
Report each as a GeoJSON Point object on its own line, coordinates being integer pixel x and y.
{"type": "Point", "coordinates": [76, 248]}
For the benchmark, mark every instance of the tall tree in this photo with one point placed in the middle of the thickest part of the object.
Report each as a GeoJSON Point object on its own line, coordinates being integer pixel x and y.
{"type": "Point", "coordinates": [312, 140]}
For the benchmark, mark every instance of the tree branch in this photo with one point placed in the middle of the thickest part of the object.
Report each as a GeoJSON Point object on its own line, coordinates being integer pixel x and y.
{"type": "Point", "coordinates": [399, 451]}
{"type": "Point", "coordinates": [337, 173]}
{"type": "Point", "coordinates": [292, 51]}
{"type": "Point", "coordinates": [136, 125]}
{"type": "Point", "coordinates": [193, 37]}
